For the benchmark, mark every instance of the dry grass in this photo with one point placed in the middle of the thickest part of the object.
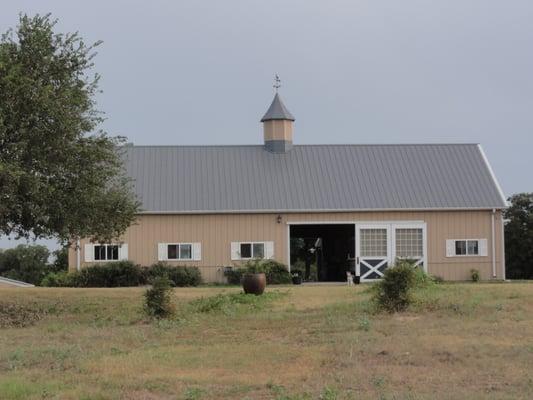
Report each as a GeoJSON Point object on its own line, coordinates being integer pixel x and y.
{"type": "Point", "coordinates": [472, 341]}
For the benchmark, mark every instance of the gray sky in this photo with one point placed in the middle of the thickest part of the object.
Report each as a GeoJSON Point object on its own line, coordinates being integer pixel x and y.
{"type": "Point", "coordinates": [198, 72]}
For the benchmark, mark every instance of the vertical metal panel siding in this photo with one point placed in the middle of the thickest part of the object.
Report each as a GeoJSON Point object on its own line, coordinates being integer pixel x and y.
{"type": "Point", "coordinates": [216, 231]}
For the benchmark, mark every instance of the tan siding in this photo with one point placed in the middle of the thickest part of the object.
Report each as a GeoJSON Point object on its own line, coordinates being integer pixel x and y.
{"type": "Point", "coordinates": [217, 231]}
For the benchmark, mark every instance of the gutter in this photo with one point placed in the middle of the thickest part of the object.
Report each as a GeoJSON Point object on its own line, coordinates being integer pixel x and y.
{"type": "Point", "coordinates": [318, 210]}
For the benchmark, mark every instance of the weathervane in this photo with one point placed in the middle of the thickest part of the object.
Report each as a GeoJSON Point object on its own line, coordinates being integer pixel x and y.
{"type": "Point", "coordinates": [277, 83]}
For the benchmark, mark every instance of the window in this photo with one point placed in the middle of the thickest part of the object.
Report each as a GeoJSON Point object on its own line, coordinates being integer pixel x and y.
{"type": "Point", "coordinates": [179, 251]}
{"type": "Point", "coordinates": [252, 250]}
{"type": "Point", "coordinates": [409, 243]}
{"type": "Point", "coordinates": [106, 252]}
{"type": "Point", "coordinates": [373, 242]}
{"type": "Point", "coordinates": [466, 247]}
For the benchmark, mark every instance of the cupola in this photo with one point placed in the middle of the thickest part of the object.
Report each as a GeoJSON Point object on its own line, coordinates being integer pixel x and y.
{"type": "Point", "coordinates": [277, 125]}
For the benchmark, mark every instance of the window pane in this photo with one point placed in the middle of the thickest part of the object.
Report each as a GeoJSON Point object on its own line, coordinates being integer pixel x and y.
{"type": "Point", "coordinates": [259, 250]}
{"type": "Point", "coordinates": [185, 251]}
{"type": "Point", "coordinates": [99, 253]}
{"type": "Point", "coordinates": [172, 252]}
{"type": "Point", "coordinates": [246, 250]}
{"type": "Point", "coordinates": [473, 248]}
{"type": "Point", "coordinates": [112, 252]}
{"type": "Point", "coordinates": [409, 243]}
{"type": "Point", "coordinates": [373, 242]}
{"type": "Point", "coordinates": [460, 247]}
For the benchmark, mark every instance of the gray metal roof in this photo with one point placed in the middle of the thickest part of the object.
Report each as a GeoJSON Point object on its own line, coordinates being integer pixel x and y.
{"type": "Point", "coordinates": [277, 110]}
{"type": "Point", "coordinates": [188, 179]}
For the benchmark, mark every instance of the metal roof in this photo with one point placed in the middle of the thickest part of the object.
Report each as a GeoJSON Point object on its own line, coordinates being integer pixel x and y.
{"type": "Point", "coordinates": [277, 110]}
{"type": "Point", "coordinates": [204, 179]}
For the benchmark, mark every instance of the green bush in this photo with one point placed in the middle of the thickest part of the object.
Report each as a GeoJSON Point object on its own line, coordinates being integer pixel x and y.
{"type": "Point", "coordinates": [59, 279]}
{"type": "Point", "coordinates": [393, 292]}
{"type": "Point", "coordinates": [474, 275]}
{"type": "Point", "coordinates": [179, 276]}
{"type": "Point", "coordinates": [276, 273]}
{"type": "Point", "coordinates": [158, 299]}
{"type": "Point", "coordinates": [234, 275]}
{"type": "Point", "coordinates": [112, 274]}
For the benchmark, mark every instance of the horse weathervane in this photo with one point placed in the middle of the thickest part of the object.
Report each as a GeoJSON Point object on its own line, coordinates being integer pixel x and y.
{"type": "Point", "coordinates": [277, 83]}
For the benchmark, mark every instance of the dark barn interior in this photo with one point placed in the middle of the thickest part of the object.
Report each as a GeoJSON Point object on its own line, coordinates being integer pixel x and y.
{"type": "Point", "coordinates": [323, 252]}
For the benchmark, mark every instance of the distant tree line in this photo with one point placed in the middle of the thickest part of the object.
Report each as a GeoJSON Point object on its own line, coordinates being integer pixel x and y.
{"type": "Point", "coordinates": [31, 263]}
{"type": "Point", "coordinates": [519, 237]}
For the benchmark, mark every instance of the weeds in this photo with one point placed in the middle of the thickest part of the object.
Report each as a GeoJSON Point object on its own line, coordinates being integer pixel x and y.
{"type": "Point", "coordinates": [228, 304]}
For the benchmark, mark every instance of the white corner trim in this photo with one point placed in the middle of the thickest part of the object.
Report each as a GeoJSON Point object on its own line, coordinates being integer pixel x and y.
{"type": "Point", "coordinates": [493, 176]}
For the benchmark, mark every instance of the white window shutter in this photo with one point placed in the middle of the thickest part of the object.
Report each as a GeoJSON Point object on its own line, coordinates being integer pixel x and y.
{"type": "Point", "coordinates": [123, 252]}
{"type": "Point", "coordinates": [269, 250]}
{"type": "Point", "coordinates": [88, 251]}
{"type": "Point", "coordinates": [450, 248]}
{"type": "Point", "coordinates": [483, 250]}
{"type": "Point", "coordinates": [162, 251]}
{"type": "Point", "coordinates": [235, 250]}
{"type": "Point", "coordinates": [196, 251]}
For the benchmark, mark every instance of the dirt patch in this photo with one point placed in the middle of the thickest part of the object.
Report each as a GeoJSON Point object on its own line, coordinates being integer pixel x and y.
{"type": "Point", "coordinates": [14, 315]}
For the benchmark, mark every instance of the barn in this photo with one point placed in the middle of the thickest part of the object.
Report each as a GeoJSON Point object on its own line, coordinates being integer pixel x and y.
{"type": "Point", "coordinates": [322, 209]}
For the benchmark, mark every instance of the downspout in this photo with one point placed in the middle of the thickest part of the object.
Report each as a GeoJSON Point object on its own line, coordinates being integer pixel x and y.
{"type": "Point", "coordinates": [493, 244]}
{"type": "Point", "coordinates": [78, 255]}
{"type": "Point", "coordinates": [503, 247]}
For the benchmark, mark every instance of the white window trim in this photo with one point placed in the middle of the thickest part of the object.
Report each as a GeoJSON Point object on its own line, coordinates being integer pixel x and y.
{"type": "Point", "coordinates": [121, 248]}
{"type": "Point", "coordinates": [479, 252]}
{"type": "Point", "coordinates": [252, 251]}
{"type": "Point", "coordinates": [196, 251]}
{"type": "Point", "coordinates": [179, 251]}
{"type": "Point", "coordinates": [268, 250]}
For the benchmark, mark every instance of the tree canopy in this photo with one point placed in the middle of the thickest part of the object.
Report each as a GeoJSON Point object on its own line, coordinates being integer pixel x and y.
{"type": "Point", "coordinates": [60, 175]}
{"type": "Point", "coordinates": [519, 237]}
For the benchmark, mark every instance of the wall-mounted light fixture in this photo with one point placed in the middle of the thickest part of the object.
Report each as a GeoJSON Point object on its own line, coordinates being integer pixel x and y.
{"type": "Point", "coordinates": [278, 219]}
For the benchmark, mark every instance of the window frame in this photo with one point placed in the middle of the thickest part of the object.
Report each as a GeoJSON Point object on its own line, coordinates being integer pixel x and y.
{"type": "Point", "coordinates": [106, 246]}
{"type": "Point", "coordinates": [178, 251]}
{"type": "Point", "coordinates": [252, 253]}
{"type": "Point", "coordinates": [467, 254]}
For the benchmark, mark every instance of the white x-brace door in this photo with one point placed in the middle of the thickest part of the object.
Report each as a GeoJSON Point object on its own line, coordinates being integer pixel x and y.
{"type": "Point", "coordinates": [373, 250]}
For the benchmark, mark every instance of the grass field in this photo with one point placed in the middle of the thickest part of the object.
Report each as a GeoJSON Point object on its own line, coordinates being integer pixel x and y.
{"type": "Point", "coordinates": [466, 341]}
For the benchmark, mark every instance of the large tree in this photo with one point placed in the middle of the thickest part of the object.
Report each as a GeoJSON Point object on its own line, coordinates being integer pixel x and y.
{"type": "Point", "coordinates": [60, 175]}
{"type": "Point", "coordinates": [519, 237]}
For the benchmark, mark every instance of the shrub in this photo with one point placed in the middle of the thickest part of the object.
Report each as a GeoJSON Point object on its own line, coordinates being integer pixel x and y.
{"type": "Point", "coordinates": [393, 292]}
{"type": "Point", "coordinates": [275, 272]}
{"type": "Point", "coordinates": [234, 275]}
{"type": "Point", "coordinates": [474, 275]}
{"type": "Point", "coordinates": [158, 299]}
{"type": "Point", "coordinates": [59, 279]}
{"type": "Point", "coordinates": [179, 276]}
{"type": "Point", "coordinates": [113, 274]}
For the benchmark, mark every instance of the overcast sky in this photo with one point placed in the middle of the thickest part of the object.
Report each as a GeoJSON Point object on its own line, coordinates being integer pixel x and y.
{"type": "Point", "coordinates": [198, 72]}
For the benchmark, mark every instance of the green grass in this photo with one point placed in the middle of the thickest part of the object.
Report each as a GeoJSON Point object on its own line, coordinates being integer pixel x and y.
{"type": "Point", "coordinates": [316, 342]}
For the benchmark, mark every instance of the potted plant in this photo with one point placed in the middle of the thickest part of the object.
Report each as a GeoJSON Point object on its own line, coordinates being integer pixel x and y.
{"type": "Point", "coordinates": [254, 279]}
{"type": "Point", "coordinates": [296, 277]}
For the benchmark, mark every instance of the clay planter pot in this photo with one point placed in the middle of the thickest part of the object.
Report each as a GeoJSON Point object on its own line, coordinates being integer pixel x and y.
{"type": "Point", "coordinates": [254, 283]}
